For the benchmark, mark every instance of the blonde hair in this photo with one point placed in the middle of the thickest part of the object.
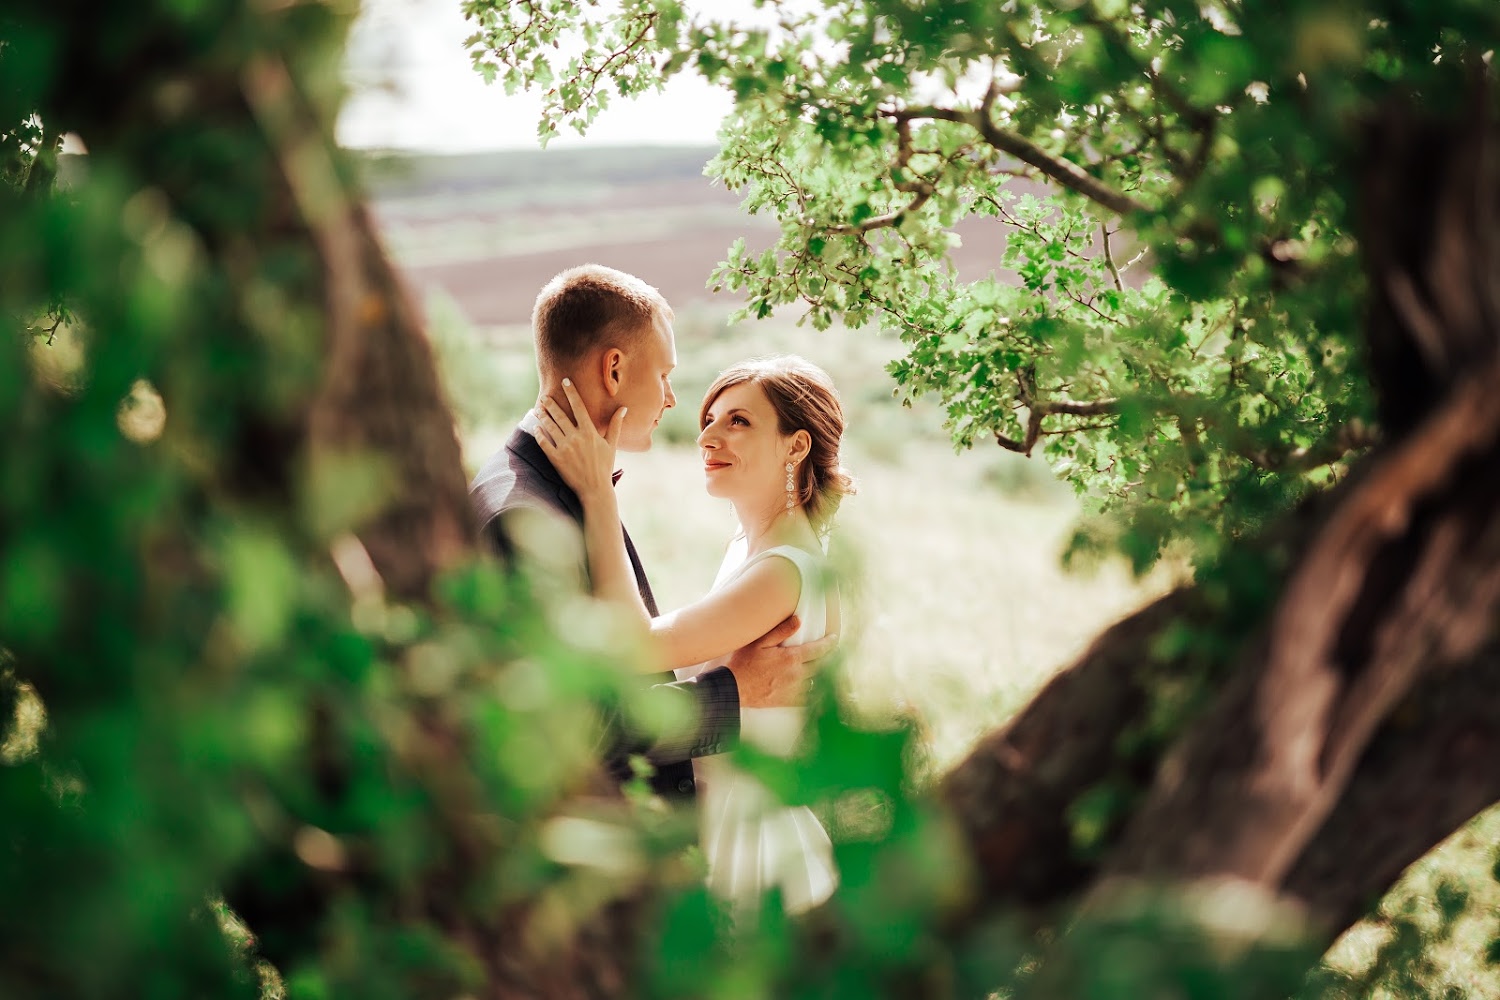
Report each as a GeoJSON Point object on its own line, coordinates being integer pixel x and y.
{"type": "Point", "coordinates": [804, 399]}
{"type": "Point", "coordinates": [590, 307]}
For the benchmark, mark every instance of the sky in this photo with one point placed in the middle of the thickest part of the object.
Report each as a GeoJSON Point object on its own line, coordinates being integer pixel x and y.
{"type": "Point", "coordinates": [414, 88]}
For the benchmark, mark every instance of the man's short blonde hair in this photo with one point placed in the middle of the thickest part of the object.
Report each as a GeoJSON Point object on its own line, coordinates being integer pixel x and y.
{"type": "Point", "coordinates": [587, 308]}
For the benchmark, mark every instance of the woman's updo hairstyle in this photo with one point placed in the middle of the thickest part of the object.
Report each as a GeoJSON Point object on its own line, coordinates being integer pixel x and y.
{"type": "Point", "coordinates": [804, 399]}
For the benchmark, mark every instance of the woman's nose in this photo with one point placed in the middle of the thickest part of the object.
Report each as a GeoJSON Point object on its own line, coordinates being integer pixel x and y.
{"type": "Point", "coordinates": [707, 439]}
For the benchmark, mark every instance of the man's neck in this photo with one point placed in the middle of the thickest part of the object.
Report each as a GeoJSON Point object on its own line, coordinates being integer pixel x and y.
{"type": "Point", "coordinates": [558, 396]}
{"type": "Point", "coordinates": [529, 424]}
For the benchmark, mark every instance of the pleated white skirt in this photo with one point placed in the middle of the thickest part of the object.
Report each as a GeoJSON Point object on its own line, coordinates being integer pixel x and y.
{"type": "Point", "coordinates": [752, 842]}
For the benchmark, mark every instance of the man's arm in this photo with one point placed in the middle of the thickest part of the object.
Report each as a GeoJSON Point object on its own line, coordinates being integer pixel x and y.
{"type": "Point", "coordinates": [716, 719]}
{"type": "Point", "coordinates": [770, 675]}
{"type": "Point", "coordinates": [763, 674]}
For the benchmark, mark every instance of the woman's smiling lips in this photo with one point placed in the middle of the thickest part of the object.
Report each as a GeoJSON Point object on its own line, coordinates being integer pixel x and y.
{"type": "Point", "coordinates": [713, 465]}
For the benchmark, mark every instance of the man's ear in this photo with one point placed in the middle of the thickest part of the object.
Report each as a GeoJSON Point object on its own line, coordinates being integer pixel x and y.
{"type": "Point", "coordinates": [612, 370]}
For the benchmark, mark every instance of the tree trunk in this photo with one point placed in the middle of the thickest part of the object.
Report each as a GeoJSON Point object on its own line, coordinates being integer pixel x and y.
{"type": "Point", "coordinates": [370, 405]}
{"type": "Point", "coordinates": [1353, 726]}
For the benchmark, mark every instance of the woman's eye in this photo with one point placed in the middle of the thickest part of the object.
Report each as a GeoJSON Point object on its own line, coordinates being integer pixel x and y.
{"type": "Point", "coordinates": [740, 420]}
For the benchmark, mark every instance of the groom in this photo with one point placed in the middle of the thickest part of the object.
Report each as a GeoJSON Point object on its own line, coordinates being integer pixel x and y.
{"type": "Point", "coordinates": [611, 334]}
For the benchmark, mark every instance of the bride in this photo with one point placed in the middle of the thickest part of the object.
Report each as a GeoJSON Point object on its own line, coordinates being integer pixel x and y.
{"type": "Point", "coordinates": [769, 438]}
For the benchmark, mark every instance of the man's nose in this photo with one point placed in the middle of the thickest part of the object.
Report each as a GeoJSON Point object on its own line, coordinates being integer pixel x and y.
{"type": "Point", "coordinates": [671, 397]}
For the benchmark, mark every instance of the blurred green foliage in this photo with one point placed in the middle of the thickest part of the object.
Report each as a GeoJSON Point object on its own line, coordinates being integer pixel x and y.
{"type": "Point", "coordinates": [204, 698]}
{"type": "Point", "coordinates": [223, 741]}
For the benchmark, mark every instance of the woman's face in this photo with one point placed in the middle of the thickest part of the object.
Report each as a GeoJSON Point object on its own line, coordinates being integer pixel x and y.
{"type": "Point", "coordinates": [744, 453]}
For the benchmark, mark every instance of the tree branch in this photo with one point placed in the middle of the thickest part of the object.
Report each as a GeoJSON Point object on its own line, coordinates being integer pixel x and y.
{"type": "Point", "coordinates": [1069, 175]}
{"type": "Point", "coordinates": [1039, 410]}
{"type": "Point", "coordinates": [921, 188]}
{"type": "Point", "coordinates": [886, 221]}
{"type": "Point", "coordinates": [1449, 726]}
{"type": "Point", "coordinates": [1098, 408]}
{"type": "Point", "coordinates": [1401, 579]}
{"type": "Point", "coordinates": [1353, 436]}
{"type": "Point", "coordinates": [58, 317]}
{"type": "Point", "coordinates": [1109, 258]}
{"type": "Point", "coordinates": [43, 169]}
{"type": "Point", "coordinates": [1013, 794]}
{"type": "Point", "coordinates": [596, 74]}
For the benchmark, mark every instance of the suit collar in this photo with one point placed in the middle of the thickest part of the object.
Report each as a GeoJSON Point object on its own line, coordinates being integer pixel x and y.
{"type": "Point", "coordinates": [523, 445]}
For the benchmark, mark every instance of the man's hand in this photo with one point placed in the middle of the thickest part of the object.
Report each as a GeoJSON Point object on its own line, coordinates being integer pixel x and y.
{"type": "Point", "coordinates": [771, 675]}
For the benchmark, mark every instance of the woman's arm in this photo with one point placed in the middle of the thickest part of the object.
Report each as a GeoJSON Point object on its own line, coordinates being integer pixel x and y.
{"type": "Point", "coordinates": [610, 573]}
{"type": "Point", "coordinates": [733, 616]}
{"type": "Point", "coordinates": [586, 462]}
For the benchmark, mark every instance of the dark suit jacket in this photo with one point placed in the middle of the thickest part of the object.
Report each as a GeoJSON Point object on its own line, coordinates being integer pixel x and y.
{"type": "Point", "coordinates": [520, 475]}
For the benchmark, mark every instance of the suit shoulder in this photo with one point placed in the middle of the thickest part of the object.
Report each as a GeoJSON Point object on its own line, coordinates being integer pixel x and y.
{"type": "Point", "coordinates": [507, 483]}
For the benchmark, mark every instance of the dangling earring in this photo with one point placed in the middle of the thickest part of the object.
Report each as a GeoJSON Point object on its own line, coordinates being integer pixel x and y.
{"type": "Point", "coordinates": [791, 498]}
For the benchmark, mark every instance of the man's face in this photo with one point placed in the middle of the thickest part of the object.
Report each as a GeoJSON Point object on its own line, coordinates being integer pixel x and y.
{"type": "Point", "coordinates": [646, 385]}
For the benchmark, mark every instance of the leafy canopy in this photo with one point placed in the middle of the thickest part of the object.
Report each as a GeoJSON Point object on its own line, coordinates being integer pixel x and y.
{"type": "Point", "coordinates": [1172, 319]}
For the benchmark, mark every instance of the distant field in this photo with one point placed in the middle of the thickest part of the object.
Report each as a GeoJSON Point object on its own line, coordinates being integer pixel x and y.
{"type": "Point", "coordinates": [490, 229]}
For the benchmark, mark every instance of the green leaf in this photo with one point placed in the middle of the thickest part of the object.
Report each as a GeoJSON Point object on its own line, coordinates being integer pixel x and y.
{"type": "Point", "coordinates": [262, 582]}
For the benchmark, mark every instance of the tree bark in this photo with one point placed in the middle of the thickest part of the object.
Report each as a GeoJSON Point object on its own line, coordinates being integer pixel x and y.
{"type": "Point", "coordinates": [379, 397]}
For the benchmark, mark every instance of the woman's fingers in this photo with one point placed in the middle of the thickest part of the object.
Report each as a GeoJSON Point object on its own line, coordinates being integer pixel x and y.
{"type": "Point", "coordinates": [551, 408]}
{"type": "Point", "coordinates": [575, 401]}
{"type": "Point", "coordinates": [556, 429]}
{"type": "Point", "coordinates": [612, 436]}
{"type": "Point", "coordinates": [549, 447]}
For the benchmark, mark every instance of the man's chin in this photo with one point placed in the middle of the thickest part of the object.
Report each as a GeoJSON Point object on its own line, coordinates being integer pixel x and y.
{"type": "Point", "coordinates": [634, 446]}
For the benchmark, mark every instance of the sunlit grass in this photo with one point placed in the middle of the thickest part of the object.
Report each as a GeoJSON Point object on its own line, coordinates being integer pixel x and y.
{"type": "Point", "coordinates": [1430, 934]}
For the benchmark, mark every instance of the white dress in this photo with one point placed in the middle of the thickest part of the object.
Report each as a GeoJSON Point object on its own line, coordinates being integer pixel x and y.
{"type": "Point", "coordinates": [751, 841]}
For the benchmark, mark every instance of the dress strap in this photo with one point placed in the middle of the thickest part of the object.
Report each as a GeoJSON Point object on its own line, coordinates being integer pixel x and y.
{"type": "Point", "coordinates": [806, 562]}
{"type": "Point", "coordinates": [811, 606]}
